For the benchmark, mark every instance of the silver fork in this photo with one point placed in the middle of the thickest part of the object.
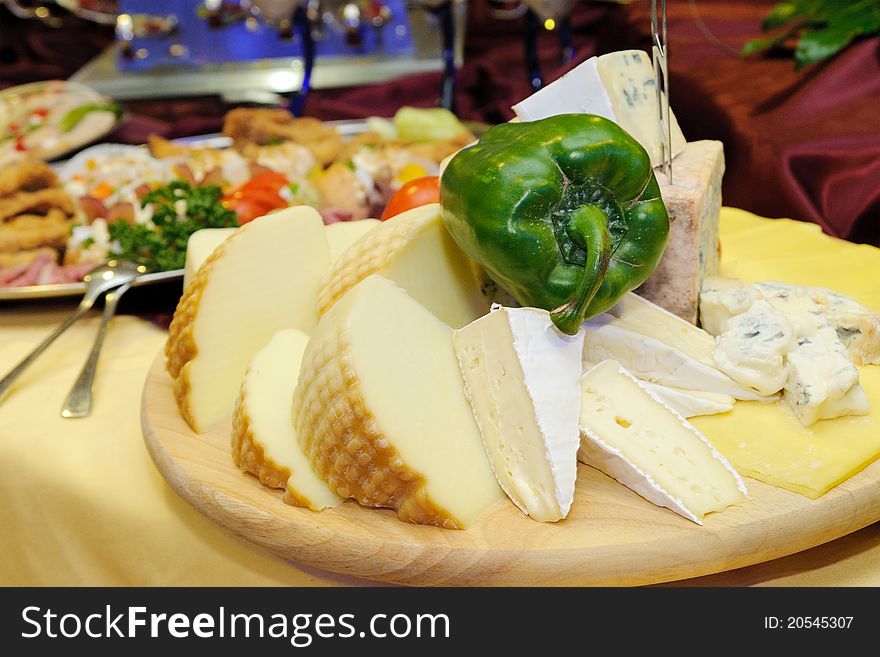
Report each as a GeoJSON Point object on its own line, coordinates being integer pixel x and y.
{"type": "Point", "coordinates": [79, 400]}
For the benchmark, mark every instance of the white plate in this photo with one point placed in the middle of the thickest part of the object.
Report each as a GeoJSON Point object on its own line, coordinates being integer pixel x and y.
{"type": "Point", "coordinates": [78, 289]}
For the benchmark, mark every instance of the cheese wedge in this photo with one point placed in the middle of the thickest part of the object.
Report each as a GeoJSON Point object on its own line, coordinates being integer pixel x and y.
{"type": "Point", "coordinates": [199, 246]}
{"type": "Point", "coordinates": [262, 279]}
{"type": "Point", "coordinates": [263, 441]}
{"type": "Point", "coordinates": [656, 361]}
{"type": "Point", "coordinates": [690, 403]}
{"type": "Point", "coordinates": [630, 435]}
{"type": "Point", "coordinates": [414, 250]}
{"type": "Point", "coordinates": [381, 412]}
{"type": "Point", "coordinates": [343, 234]}
{"type": "Point", "coordinates": [522, 379]}
{"type": "Point", "coordinates": [693, 201]}
{"type": "Point", "coordinates": [619, 86]}
{"type": "Point", "coordinates": [642, 316]}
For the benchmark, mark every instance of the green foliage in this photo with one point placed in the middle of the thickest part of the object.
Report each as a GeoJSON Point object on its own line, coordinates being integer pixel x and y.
{"type": "Point", "coordinates": [179, 210]}
{"type": "Point", "coordinates": [822, 27]}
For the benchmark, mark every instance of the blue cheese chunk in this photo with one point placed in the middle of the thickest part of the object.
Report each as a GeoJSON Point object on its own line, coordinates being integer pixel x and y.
{"type": "Point", "coordinates": [752, 349]}
{"type": "Point", "coordinates": [822, 381]}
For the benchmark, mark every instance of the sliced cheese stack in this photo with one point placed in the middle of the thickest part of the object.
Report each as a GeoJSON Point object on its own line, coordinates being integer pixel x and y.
{"type": "Point", "coordinates": [381, 412]}
{"type": "Point", "coordinates": [414, 250]}
{"type": "Point", "coordinates": [199, 246]}
{"type": "Point", "coordinates": [660, 347]}
{"type": "Point", "coordinates": [263, 441]}
{"type": "Point", "coordinates": [630, 435]}
{"type": "Point", "coordinates": [343, 234]}
{"type": "Point", "coordinates": [522, 379]}
{"type": "Point", "coordinates": [619, 86]}
{"type": "Point", "coordinates": [691, 403]}
{"type": "Point", "coordinates": [692, 255]}
{"type": "Point", "coordinates": [260, 280]}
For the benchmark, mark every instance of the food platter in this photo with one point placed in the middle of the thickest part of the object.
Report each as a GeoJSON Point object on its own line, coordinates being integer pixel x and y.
{"type": "Point", "coordinates": [347, 129]}
{"type": "Point", "coordinates": [612, 536]}
{"type": "Point", "coordinates": [61, 290]}
{"type": "Point", "coordinates": [52, 101]}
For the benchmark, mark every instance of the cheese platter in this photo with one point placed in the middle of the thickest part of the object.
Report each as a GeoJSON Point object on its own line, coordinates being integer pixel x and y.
{"type": "Point", "coordinates": [546, 372]}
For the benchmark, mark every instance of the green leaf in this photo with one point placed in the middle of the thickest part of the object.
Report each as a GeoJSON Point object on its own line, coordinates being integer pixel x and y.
{"type": "Point", "coordinates": [758, 45]}
{"type": "Point", "coordinates": [852, 21]}
{"type": "Point", "coordinates": [780, 15]}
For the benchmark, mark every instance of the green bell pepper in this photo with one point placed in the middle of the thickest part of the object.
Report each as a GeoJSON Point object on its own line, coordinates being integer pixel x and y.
{"type": "Point", "coordinates": [565, 213]}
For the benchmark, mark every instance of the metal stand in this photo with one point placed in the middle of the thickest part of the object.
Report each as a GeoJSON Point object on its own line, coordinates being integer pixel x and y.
{"type": "Point", "coordinates": [446, 16]}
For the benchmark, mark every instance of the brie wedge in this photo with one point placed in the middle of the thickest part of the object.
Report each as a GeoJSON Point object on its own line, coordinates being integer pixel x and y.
{"type": "Point", "coordinates": [522, 379]}
{"type": "Point", "coordinates": [630, 435]}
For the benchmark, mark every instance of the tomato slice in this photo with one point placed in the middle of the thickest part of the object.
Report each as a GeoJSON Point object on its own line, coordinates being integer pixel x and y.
{"type": "Point", "coordinates": [413, 194]}
{"type": "Point", "coordinates": [270, 180]}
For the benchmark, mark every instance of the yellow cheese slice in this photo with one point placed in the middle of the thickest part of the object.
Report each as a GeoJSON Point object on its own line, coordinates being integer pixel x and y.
{"type": "Point", "coordinates": [199, 246]}
{"type": "Point", "coordinates": [414, 250]}
{"type": "Point", "coordinates": [766, 441]}
{"type": "Point", "coordinates": [263, 440]}
{"type": "Point", "coordinates": [261, 279]}
{"type": "Point", "coordinates": [343, 234]}
{"type": "Point", "coordinates": [381, 412]}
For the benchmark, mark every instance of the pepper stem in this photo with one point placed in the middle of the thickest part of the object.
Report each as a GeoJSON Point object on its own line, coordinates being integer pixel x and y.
{"type": "Point", "coordinates": [588, 228]}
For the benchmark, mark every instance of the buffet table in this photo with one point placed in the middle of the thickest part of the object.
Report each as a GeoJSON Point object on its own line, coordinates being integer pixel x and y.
{"type": "Point", "coordinates": [84, 505]}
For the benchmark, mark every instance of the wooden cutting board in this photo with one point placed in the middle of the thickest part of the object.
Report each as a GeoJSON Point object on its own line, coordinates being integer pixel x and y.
{"type": "Point", "coordinates": [611, 537]}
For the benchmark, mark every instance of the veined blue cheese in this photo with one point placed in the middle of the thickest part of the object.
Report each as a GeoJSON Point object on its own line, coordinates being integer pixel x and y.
{"type": "Point", "coordinates": [753, 347]}
{"type": "Point", "coordinates": [822, 381]}
{"type": "Point", "coordinates": [693, 202]}
{"type": "Point", "coordinates": [619, 86]}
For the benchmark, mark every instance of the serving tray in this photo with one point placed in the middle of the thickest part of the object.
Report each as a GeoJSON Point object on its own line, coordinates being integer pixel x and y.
{"type": "Point", "coordinates": [611, 537]}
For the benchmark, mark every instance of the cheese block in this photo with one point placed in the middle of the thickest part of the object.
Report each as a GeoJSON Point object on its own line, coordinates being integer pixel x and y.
{"type": "Point", "coordinates": [343, 234]}
{"type": "Point", "coordinates": [619, 86]}
{"type": "Point", "coordinates": [752, 349]}
{"type": "Point", "coordinates": [656, 361]}
{"type": "Point", "coordinates": [642, 316]}
{"type": "Point", "coordinates": [381, 412]}
{"type": "Point", "coordinates": [522, 378]}
{"type": "Point", "coordinates": [690, 403]}
{"type": "Point", "coordinates": [630, 435]}
{"type": "Point", "coordinates": [261, 279]}
{"type": "Point", "coordinates": [693, 202]}
{"type": "Point", "coordinates": [263, 441]}
{"type": "Point", "coordinates": [199, 246]}
{"type": "Point", "coordinates": [414, 250]}
{"type": "Point", "coordinates": [822, 382]}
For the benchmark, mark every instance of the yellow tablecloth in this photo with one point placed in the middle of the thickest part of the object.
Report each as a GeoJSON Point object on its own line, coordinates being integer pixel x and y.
{"type": "Point", "coordinates": [82, 504]}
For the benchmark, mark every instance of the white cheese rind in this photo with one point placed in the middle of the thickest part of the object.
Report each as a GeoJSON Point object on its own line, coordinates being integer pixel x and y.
{"type": "Point", "coordinates": [618, 86]}
{"type": "Point", "coordinates": [656, 361]}
{"type": "Point", "coordinates": [644, 477]}
{"type": "Point", "coordinates": [522, 380]}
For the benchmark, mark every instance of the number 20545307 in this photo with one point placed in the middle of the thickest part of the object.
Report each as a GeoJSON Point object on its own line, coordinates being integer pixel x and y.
{"type": "Point", "coordinates": [808, 622]}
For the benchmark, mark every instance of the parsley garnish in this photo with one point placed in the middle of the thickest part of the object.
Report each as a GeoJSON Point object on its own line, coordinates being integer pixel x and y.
{"type": "Point", "coordinates": [162, 247]}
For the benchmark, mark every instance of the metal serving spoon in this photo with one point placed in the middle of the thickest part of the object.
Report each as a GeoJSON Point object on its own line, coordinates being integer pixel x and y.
{"type": "Point", "coordinates": [102, 278]}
